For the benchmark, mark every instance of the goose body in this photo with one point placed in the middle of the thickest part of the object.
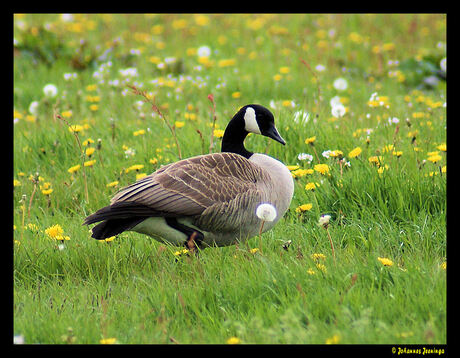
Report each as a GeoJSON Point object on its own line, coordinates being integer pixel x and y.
{"type": "Point", "coordinates": [212, 198]}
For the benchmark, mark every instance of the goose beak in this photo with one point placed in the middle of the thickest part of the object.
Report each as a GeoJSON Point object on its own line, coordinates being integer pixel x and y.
{"type": "Point", "coordinates": [272, 133]}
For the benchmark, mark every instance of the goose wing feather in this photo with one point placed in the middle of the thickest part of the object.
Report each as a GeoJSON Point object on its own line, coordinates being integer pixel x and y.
{"type": "Point", "coordinates": [207, 184]}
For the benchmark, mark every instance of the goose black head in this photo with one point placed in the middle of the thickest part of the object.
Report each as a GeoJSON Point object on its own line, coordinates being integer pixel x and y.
{"type": "Point", "coordinates": [259, 120]}
{"type": "Point", "coordinates": [252, 118]}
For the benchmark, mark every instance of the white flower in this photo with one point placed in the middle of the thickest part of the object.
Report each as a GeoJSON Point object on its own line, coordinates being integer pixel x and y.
{"type": "Point", "coordinates": [326, 153]}
{"type": "Point", "coordinates": [18, 339]}
{"type": "Point", "coordinates": [443, 64]}
{"type": "Point", "coordinates": [324, 220]}
{"type": "Point", "coordinates": [393, 120]}
{"type": "Point", "coordinates": [305, 156]}
{"type": "Point", "coordinates": [50, 90]}
{"type": "Point", "coordinates": [169, 60]}
{"type": "Point", "coordinates": [266, 212]}
{"type": "Point", "coordinates": [70, 76]}
{"type": "Point", "coordinates": [204, 51]}
{"type": "Point", "coordinates": [33, 108]}
{"type": "Point", "coordinates": [128, 72]}
{"type": "Point", "coordinates": [335, 101]}
{"type": "Point", "coordinates": [340, 84]}
{"type": "Point", "coordinates": [67, 17]}
{"type": "Point", "coordinates": [320, 68]}
{"type": "Point", "coordinates": [338, 110]}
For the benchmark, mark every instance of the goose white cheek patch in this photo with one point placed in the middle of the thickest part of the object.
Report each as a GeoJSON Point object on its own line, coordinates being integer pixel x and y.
{"type": "Point", "coordinates": [250, 123]}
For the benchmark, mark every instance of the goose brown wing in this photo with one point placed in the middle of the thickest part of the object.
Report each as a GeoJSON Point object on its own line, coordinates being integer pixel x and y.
{"type": "Point", "coordinates": [190, 186]}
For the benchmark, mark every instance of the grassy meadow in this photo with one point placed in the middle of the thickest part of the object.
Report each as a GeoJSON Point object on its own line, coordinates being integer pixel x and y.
{"type": "Point", "coordinates": [361, 103]}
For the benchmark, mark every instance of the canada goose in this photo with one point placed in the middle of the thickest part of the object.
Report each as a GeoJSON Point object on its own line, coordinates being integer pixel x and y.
{"type": "Point", "coordinates": [207, 199]}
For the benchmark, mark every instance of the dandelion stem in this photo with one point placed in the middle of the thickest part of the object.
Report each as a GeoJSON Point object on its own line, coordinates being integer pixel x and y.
{"type": "Point", "coordinates": [82, 155]}
{"type": "Point", "coordinates": [31, 198]}
{"type": "Point", "coordinates": [155, 108]}
{"type": "Point", "coordinates": [260, 235]}
{"type": "Point", "coordinates": [332, 246]}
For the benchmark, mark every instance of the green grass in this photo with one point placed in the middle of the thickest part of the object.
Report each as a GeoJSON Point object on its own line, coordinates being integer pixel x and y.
{"type": "Point", "coordinates": [137, 290]}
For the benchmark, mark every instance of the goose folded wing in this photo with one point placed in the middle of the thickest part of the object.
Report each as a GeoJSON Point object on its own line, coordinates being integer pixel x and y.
{"type": "Point", "coordinates": [190, 186]}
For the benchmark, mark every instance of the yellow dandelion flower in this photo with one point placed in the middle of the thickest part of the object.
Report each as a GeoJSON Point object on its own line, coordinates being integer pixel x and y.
{"type": "Point", "coordinates": [236, 94]}
{"type": "Point", "coordinates": [111, 238]}
{"type": "Point", "coordinates": [226, 62]}
{"type": "Point", "coordinates": [233, 340]}
{"type": "Point", "coordinates": [321, 267]}
{"type": "Point", "coordinates": [254, 250]}
{"type": "Point", "coordinates": [62, 238]}
{"type": "Point", "coordinates": [139, 132]}
{"type": "Point", "coordinates": [335, 339]}
{"type": "Point", "coordinates": [355, 152]}
{"type": "Point", "coordinates": [66, 114]}
{"type": "Point", "coordinates": [292, 167]}
{"type": "Point", "coordinates": [153, 161]}
{"type": "Point", "coordinates": [87, 142]}
{"type": "Point", "coordinates": [381, 169]}
{"type": "Point", "coordinates": [179, 124]}
{"type": "Point", "coordinates": [336, 153]}
{"type": "Point", "coordinates": [134, 167]}
{"type": "Point", "coordinates": [140, 175]}
{"type": "Point", "coordinates": [298, 173]}
{"type": "Point", "coordinates": [108, 341]}
{"type": "Point", "coordinates": [94, 107]}
{"type": "Point", "coordinates": [91, 88]}
{"type": "Point", "coordinates": [218, 133]}
{"type": "Point", "coordinates": [434, 158]}
{"type": "Point", "coordinates": [89, 163]}
{"type": "Point", "coordinates": [318, 257]}
{"type": "Point", "coordinates": [384, 261]}
{"type": "Point", "coordinates": [75, 128]}
{"type": "Point", "coordinates": [397, 153]}
{"type": "Point", "coordinates": [284, 70]}
{"type": "Point", "coordinates": [444, 265]}
{"type": "Point", "coordinates": [377, 160]}
{"type": "Point", "coordinates": [322, 168]}
{"type": "Point", "coordinates": [89, 151]}
{"type": "Point", "coordinates": [303, 207]}
{"type": "Point", "coordinates": [310, 140]}
{"type": "Point", "coordinates": [47, 191]}
{"type": "Point", "coordinates": [73, 169]}
{"type": "Point", "coordinates": [31, 118]}
{"type": "Point", "coordinates": [53, 231]}
{"type": "Point", "coordinates": [277, 77]}
{"type": "Point", "coordinates": [311, 186]}
{"type": "Point", "coordinates": [442, 147]}
{"type": "Point", "coordinates": [112, 184]}
{"type": "Point", "coordinates": [16, 182]}
{"type": "Point", "coordinates": [310, 271]}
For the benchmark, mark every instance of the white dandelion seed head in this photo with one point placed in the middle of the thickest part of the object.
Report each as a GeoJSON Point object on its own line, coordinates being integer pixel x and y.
{"type": "Point", "coordinates": [50, 90]}
{"type": "Point", "coordinates": [335, 101]}
{"type": "Point", "coordinates": [443, 64]}
{"type": "Point", "coordinates": [338, 110]}
{"type": "Point", "coordinates": [33, 108]}
{"type": "Point", "coordinates": [266, 212]}
{"type": "Point", "coordinates": [324, 220]}
{"type": "Point", "coordinates": [340, 84]}
{"type": "Point", "coordinates": [204, 51]}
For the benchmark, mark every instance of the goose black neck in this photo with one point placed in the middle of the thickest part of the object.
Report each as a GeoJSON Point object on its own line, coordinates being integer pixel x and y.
{"type": "Point", "coordinates": [233, 139]}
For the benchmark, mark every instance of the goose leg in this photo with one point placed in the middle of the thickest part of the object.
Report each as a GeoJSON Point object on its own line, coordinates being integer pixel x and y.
{"type": "Point", "coordinates": [194, 237]}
